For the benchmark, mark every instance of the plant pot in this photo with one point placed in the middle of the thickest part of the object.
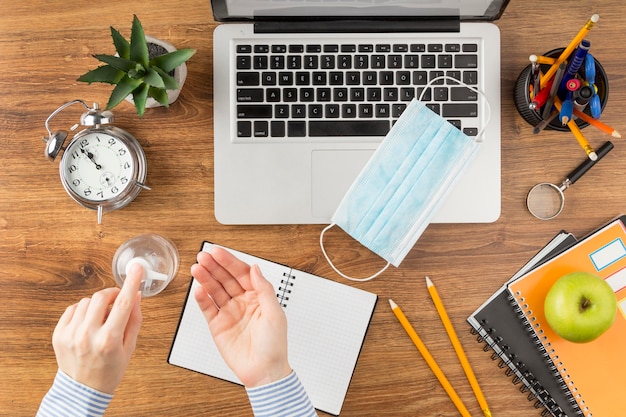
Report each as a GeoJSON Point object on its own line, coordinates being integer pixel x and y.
{"type": "Point", "coordinates": [180, 74]}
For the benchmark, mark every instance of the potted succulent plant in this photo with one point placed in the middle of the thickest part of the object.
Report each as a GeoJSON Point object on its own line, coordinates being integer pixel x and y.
{"type": "Point", "coordinates": [145, 70]}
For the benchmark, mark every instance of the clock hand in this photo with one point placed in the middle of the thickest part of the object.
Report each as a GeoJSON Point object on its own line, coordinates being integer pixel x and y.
{"type": "Point", "coordinates": [91, 158]}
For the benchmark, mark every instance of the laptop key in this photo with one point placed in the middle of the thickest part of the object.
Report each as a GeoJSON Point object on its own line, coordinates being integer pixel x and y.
{"type": "Point", "coordinates": [296, 129]}
{"type": "Point", "coordinates": [244, 129]}
{"type": "Point", "coordinates": [261, 129]}
{"type": "Point", "coordinates": [459, 110]}
{"type": "Point", "coordinates": [254, 111]}
{"type": "Point", "coordinates": [248, 78]}
{"type": "Point", "coordinates": [466, 61]}
{"type": "Point", "coordinates": [277, 129]}
{"type": "Point", "coordinates": [250, 94]}
{"type": "Point", "coordinates": [348, 128]}
{"type": "Point", "coordinates": [463, 94]}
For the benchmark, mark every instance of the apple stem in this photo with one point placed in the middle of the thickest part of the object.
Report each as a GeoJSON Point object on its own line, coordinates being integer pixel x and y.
{"type": "Point", "coordinates": [586, 303]}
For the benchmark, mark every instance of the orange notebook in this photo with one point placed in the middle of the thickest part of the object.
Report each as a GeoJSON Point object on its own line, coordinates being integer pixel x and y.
{"type": "Point", "coordinates": [593, 373]}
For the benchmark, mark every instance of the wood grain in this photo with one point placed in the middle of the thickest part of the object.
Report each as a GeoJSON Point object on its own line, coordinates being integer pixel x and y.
{"type": "Point", "coordinates": [53, 253]}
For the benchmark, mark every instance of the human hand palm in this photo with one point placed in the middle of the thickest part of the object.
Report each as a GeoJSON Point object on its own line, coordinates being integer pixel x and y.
{"type": "Point", "coordinates": [245, 319]}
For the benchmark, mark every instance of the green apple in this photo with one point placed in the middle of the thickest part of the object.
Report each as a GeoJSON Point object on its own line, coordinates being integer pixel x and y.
{"type": "Point", "coordinates": [580, 306]}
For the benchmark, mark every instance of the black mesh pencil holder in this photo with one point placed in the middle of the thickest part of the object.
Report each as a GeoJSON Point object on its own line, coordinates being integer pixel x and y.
{"type": "Point", "coordinates": [521, 94]}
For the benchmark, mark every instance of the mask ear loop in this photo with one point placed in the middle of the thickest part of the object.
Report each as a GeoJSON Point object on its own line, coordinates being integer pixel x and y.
{"type": "Point", "coordinates": [477, 91]}
{"type": "Point", "coordinates": [337, 270]}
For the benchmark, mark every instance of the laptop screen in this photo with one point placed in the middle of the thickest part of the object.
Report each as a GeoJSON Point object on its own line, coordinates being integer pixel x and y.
{"type": "Point", "coordinates": [225, 10]}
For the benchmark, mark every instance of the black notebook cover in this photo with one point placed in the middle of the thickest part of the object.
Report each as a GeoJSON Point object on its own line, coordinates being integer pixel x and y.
{"type": "Point", "coordinates": [499, 326]}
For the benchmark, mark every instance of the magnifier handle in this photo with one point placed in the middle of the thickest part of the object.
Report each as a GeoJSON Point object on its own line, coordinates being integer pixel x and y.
{"type": "Point", "coordinates": [588, 163]}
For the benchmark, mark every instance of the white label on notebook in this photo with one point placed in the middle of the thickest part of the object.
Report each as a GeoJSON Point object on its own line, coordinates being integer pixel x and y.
{"type": "Point", "coordinates": [608, 254]}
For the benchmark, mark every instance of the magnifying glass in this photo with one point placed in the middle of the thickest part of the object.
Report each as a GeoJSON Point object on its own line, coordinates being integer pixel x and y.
{"type": "Point", "coordinates": [545, 200]}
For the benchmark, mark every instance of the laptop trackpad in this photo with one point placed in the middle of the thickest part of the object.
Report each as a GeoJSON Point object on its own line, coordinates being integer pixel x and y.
{"type": "Point", "coordinates": [334, 171]}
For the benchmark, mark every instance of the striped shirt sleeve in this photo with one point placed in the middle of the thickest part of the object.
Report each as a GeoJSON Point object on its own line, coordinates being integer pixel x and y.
{"type": "Point", "coordinates": [70, 398]}
{"type": "Point", "coordinates": [283, 398]}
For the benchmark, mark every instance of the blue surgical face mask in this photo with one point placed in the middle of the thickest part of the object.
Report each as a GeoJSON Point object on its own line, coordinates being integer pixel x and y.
{"type": "Point", "coordinates": [393, 199]}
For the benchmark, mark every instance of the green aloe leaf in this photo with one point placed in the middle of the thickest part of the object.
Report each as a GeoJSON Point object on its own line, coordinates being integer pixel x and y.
{"type": "Point", "coordinates": [140, 95]}
{"type": "Point", "coordinates": [168, 62]}
{"type": "Point", "coordinates": [138, 44]}
{"type": "Point", "coordinates": [117, 62]}
{"type": "Point", "coordinates": [153, 79]}
{"type": "Point", "coordinates": [121, 90]}
{"type": "Point", "coordinates": [102, 74]}
{"type": "Point", "coordinates": [159, 95]}
{"type": "Point", "coordinates": [169, 81]}
{"type": "Point", "coordinates": [121, 44]}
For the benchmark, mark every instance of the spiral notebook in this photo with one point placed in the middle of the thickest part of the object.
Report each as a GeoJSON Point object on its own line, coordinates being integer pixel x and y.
{"type": "Point", "coordinates": [327, 324]}
{"type": "Point", "coordinates": [592, 373]}
{"type": "Point", "coordinates": [496, 324]}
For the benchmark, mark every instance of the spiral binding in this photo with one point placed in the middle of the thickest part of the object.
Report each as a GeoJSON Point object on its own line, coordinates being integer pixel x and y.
{"type": "Point", "coordinates": [285, 288]}
{"type": "Point", "coordinates": [516, 369]}
{"type": "Point", "coordinates": [525, 315]}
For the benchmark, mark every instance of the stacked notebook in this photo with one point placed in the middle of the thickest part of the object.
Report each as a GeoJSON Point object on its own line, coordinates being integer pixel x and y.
{"type": "Point", "coordinates": [565, 378]}
{"type": "Point", "coordinates": [327, 322]}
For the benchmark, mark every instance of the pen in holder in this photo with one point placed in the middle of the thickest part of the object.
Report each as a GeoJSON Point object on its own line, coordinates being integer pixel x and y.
{"type": "Point", "coordinates": [524, 93]}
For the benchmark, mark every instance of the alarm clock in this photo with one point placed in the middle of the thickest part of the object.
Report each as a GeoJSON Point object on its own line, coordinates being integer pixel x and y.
{"type": "Point", "coordinates": [103, 167]}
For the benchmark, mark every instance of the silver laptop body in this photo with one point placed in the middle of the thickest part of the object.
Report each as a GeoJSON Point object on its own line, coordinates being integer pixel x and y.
{"type": "Point", "coordinates": [305, 90]}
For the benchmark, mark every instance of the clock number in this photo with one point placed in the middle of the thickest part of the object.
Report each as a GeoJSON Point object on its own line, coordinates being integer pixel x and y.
{"type": "Point", "coordinates": [123, 180]}
{"type": "Point", "coordinates": [87, 192]}
{"type": "Point", "coordinates": [72, 168]}
{"type": "Point", "coordinates": [126, 165]}
{"type": "Point", "coordinates": [100, 194]}
{"type": "Point", "coordinates": [75, 155]}
{"type": "Point", "coordinates": [76, 182]}
{"type": "Point", "coordinates": [84, 143]}
{"type": "Point", "coordinates": [121, 152]}
{"type": "Point", "coordinates": [114, 190]}
{"type": "Point", "coordinates": [111, 141]}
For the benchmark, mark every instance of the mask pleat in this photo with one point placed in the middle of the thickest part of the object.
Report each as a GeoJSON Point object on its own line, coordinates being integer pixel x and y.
{"type": "Point", "coordinates": [393, 199]}
{"type": "Point", "coordinates": [384, 180]}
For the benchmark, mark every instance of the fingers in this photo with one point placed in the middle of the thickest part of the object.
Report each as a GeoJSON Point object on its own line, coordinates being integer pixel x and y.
{"type": "Point", "coordinates": [222, 275]}
{"type": "Point", "coordinates": [97, 308]}
{"type": "Point", "coordinates": [206, 304]}
{"type": "Point", "coordinates": [263, 287]}
{"type": "Point", "coordinates": [134, 324]}
{"type": "Point", "coordinates": [234, 267]}
{"type": "Point", "coordinates": [125, 303]}
{"type": "Point", "coordinates": [67, 315]}
{"type": "Point", "coordinates": [209, 284]}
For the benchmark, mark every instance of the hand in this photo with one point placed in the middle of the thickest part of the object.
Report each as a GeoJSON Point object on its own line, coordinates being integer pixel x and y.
{"type": "Point", "coordinates": [94, 341]}
{"type": "Point", "coordinates": [248, 325]}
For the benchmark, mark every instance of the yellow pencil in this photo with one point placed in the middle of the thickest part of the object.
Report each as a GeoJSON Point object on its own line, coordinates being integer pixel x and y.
{"type": "Point", "coordinates": [567, 51]}
{"type": "Point", "coordinates": [429, 359]}
{"type": "Point", "coordinates": [458, 348]}
{"type": "Point", "coordinates": [582, 140]}
{"type": "Point", "coordinates": [596, 123]}
{"type": "Point", "coordinates": [547, 60]}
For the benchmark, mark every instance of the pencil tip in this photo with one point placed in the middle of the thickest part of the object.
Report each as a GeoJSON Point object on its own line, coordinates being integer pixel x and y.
{"type": "Point", "coordinates": [392, 304]}
{"type": "Point", "coordinates": [429, 283]}
{"type": "Point", "coordinates": [595, 17]}
{"type": "Point", "coordinates": [616, 134]}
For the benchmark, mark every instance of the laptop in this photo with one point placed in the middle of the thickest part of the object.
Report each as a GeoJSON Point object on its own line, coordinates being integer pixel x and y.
{"type": "Point", "coordinates": [305, 90]}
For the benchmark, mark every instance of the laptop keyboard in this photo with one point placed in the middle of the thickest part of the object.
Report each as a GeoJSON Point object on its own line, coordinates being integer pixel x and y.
{"type": "Point", "coordinates": [319, 90]}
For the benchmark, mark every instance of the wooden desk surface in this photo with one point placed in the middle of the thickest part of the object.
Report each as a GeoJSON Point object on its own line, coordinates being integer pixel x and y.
{"type": "Point", "coordinates": [52, 252]}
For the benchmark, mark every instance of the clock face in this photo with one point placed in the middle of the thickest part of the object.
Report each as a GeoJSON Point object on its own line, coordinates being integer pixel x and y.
{"type": "Point", "coordinates": [98, 167]}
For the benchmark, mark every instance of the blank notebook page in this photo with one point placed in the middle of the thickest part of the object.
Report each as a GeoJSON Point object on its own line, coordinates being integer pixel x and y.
{"type": "Point", "coordinates": [327, 323]}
